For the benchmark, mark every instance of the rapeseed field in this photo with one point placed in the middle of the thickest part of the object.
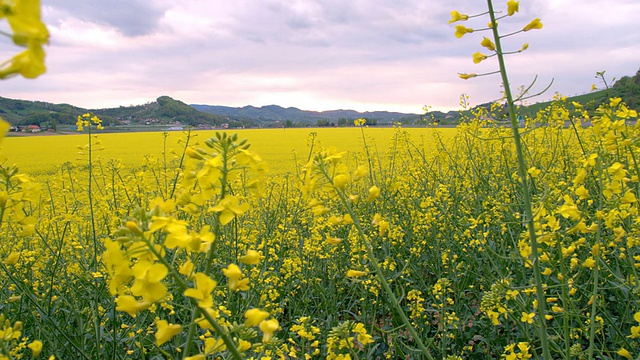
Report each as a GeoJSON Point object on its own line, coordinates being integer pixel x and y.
{"type": "Point", "coordinates": [496, 240]}
{"type": "Point", "coordinates": [280, 148]}
{"type": "Point", "coordinates": [211, 255]}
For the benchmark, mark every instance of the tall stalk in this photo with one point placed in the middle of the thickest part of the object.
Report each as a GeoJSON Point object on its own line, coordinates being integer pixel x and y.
{"type": "Point", "coordinates": [522, 171]}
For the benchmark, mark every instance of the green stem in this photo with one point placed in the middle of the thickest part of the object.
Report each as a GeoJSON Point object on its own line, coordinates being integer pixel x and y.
{"type": "Point", "coordinates": [94, 236]}
{"type": "Point", "coordinates": [594, 305]}
{"type": "Point", "coordinates": [522, 170]}
{"type": "Point", "coordinates": [190, 334]}
{"type": "Point", "coordinates": [217, 229]}
{"type": "Point", "coordinates": [184, 152]}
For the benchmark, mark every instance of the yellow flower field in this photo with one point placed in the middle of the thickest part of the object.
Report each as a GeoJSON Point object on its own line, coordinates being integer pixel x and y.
{"type": "Point", "coordinates": [338, 253]}
{"type": "Point", "coordinates": [499, 239]}
{"type": "Point", "coordinates": [278, 147]}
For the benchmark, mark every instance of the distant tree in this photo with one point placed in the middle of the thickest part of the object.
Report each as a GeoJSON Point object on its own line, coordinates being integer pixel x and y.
{"type": "Point", "coordinates": [288, 123]}
{"type": "Point", "coordinates": [342, 122]}
{"type": "Point", "coordinates": [36, 119]}
{"type": "Point", "coordinates": [323, 122]}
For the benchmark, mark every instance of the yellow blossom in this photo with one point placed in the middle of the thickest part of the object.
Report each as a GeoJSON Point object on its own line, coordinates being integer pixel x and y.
{"type": "Point", "coordinates": [527, 317]}
{"type": "Point", "coordinates": [461, 30]}
{"type": "Point", "coordinates": [268, 328]}
{"type": "Point", "coordinates": [236, 278]}
{"type": "Point", "coordinates": [340, 181]}
{"type": "Point", "coordinates": [252, 257]}
{"type": "Point", "coordinates": [589, 263]}
{"type": "Point", "coordinates": [12, 259]}
{"type": "Point", "coordinates": [624, 353]}
{"type": "Point", "coordinates": [166, 331]}
{"type": "Point", "coordinates": [356, 273]}
{"type": "Point", "coordinates": [582, 192]}
{"type": "Point", "coordinates": [130, 305]}
{"type": "Point", "coordinates": [148, 277]}
{"type": "Point", "coordinates": [186, 269]}
{"type": "Point", "coordinates": [28, 63]}
{"type": "Point", "coordinates": [4, 127]}
{"type": "Point", "coordinates": [534, 172]}
{"type": "Point", "coordinates": [202, 321]}
{"type": "Point", "coordinates": [255, 316]}
{"type": "Point", "coordinates": [243, 345]}
{"type": "Point", "coordinates": [36, 347]}
{"type": "Point", "coordinates": [456, 16]}
{"type": "Point", "coordinates": [534, 24]}
{"type": "Point", "coordinates": [486, 42]}
{"type": "Point", "coordinates": [628, 198]}
{"type": "Point", "coordinates": [212, 346]}
{"type": "Point", "coordinates": [478, 57]}
{"type": "Point", "coordinates": [196, 357]}
{"type": "Point", "coordinates": [512, 7]}
{"type": "Point", "coordinates": [204, 286]}
{"type": "Point", "coordinates": [331, 240]}
{"type": "Point", "coordinates": [465, 76]}
{"type": "Point", "coordinates": [494, 316]}
{"type": "Point", "coordinates": [617, 171]}
{"type": "Point", "coordinates": [229, 208]}
{"type": "Point", "coordinates": [374, 192]}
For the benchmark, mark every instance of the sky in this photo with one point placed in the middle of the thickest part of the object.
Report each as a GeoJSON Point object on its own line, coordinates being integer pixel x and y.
{"type": "Point", "coordinates": [365, 55]}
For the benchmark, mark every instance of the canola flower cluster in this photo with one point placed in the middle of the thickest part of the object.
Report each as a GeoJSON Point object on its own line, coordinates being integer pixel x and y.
{"type": "Point", "coordinates": [27, 31]}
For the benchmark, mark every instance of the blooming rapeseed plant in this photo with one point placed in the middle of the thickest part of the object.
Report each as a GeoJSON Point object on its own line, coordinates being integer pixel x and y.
{"type": "Point", "coordinates": [27, 31]}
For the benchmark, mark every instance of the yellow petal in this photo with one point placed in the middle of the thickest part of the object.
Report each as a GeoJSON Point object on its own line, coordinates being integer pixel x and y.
{"type": "Point", "coordinates": [166, 331]}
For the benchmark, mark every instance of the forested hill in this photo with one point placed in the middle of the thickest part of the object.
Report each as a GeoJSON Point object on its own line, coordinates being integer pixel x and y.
{"type": "Point", "coordinates": [164, 110]}
{"type": "Point", "coordinates": [271, 113]}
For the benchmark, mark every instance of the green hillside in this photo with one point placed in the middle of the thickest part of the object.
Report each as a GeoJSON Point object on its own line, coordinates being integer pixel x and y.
{"type": "Point", "coordinates": [164, 110]}
{"type": "Point", "coordinates": [627, 88]}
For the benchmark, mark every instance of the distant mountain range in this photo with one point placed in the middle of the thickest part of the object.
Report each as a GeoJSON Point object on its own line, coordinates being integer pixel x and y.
{"type": "Point", "coordinates": [166, 110]}
{"type": "Point", "coordinates": [271, 113]}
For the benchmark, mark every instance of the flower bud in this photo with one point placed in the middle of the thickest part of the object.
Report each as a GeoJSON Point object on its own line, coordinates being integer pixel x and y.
{"type": "Point", "coordinates": [486, 42]}
{"type": "Point", "coordinates": [478, 57]}
{"type": "Point", "coordinates": [512, 7]}
{"type": "Point", "coordinates": [456, 16]}
{"type": "Point", "coordinates": [534, 24]}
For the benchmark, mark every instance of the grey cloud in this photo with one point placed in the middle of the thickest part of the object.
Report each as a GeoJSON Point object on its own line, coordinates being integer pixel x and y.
{"type": "Point", "coordinates": [357, 50]}
{"type": "Point", "coordinates": [130, 17]}
{"type": "Point", "coordinates": [338, 23]}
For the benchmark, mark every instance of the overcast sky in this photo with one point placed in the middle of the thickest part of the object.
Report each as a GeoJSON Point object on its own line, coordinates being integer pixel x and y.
{"type": "Point", "coordinates": [395, 55]}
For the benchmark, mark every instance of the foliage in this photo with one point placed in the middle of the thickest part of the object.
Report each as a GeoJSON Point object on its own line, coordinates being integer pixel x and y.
{"type": "Point", "coordinates": [163, 110]}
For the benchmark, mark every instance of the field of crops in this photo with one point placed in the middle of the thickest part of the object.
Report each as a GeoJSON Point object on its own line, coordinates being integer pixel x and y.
{"type": "Point", "coordinates": [367, 243]}
{"type": "Point", "coordinates": [279, 148]}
